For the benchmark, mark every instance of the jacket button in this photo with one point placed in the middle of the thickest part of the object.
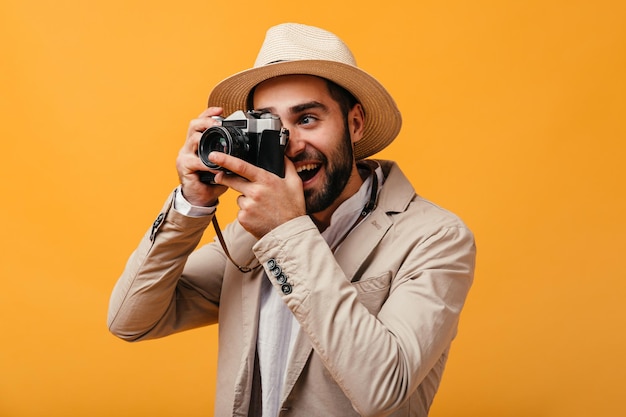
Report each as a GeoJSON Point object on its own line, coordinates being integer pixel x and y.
{"type": "Point", "coordinates": [286, 289]}
{"type": "Point", "coordinates": [156, 224]}
{"type": "Point", "coordinates": [271, 264]}
{"type": "Point", "coordinates": [276, 271]}
{"type": "Point", "coordinates": [159, 219]}
{"type": "Point", "coordinates": [282, 278]}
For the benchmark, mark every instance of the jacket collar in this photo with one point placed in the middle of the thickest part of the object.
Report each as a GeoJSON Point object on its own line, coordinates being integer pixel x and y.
{"type": "Point", "coordinates": [397, 192]}
{"type": "Point", "coordinates": [395, 196]}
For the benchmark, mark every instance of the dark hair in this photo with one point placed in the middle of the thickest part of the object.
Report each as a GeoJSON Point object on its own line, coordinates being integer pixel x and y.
{"type": "Point", "coordinates": [343, 97]}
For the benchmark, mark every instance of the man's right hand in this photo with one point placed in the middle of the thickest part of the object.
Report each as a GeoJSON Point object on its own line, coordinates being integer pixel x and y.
{"type": "Point", "coordinates": [188, 162]}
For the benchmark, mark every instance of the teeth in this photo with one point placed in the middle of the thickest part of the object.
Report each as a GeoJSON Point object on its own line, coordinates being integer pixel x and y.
{"type": "Point", "coordinates": [307, 167]}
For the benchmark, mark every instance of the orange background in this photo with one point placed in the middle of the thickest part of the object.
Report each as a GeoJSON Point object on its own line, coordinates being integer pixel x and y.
{"type": "Point", "coordinates": [514, 119]}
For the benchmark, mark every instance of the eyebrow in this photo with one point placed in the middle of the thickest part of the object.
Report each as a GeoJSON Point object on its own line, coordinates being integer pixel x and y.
{"type": "Point", "coordinates": [299, 108]}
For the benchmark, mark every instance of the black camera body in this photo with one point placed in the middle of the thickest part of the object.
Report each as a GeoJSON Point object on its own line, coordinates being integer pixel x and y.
{"type": "Point", "coordinates": [257, 138]}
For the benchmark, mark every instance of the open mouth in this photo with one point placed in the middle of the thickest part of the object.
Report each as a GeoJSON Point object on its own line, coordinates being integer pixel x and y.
{"type": "Point", "coordinates": [308, 171]}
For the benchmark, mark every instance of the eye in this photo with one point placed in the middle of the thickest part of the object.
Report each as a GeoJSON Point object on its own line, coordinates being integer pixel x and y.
{"type": "Point", "coordinates": [307, 119]}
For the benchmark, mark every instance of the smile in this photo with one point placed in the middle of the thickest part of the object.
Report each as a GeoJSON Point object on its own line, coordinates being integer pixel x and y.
{"type": "Point", "coordinates": [307, 171]}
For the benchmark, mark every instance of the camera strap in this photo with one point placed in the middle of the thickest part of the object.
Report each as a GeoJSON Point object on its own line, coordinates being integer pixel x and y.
{"type": "Point", "coordinates": [220, 237]}
{"type": "Point", "coordinates": [371, 166]}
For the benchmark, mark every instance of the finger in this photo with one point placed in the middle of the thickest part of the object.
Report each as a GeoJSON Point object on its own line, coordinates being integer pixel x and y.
{"type": "Point", "coordinates": [209, 117]}
{"type": "Point", "coordinates": [203, 123]}
{"type": "Point", "coordinates": [238, 166]}
{"type": "Point", "coordinates": [232, 181]}
{"type": "Point", "coordinates": [189, 162]}
{"type": "Point", "coordinates": [211, 111]}
{"type": "Point", "coordinates": [290, 170]}
{"type": "Point", "coordinates": [240, 201]}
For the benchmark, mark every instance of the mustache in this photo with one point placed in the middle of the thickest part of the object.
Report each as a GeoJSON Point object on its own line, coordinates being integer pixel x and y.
{"type": "Point", "coordinates": [310, 155]}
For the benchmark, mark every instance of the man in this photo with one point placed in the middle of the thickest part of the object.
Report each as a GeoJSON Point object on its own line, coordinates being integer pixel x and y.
{"type": "Point", "coordinates": [338, 289]}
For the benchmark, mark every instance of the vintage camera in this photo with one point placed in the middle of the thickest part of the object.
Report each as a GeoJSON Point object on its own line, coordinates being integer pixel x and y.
{"type": "Point", "coordinates": [258, 138]}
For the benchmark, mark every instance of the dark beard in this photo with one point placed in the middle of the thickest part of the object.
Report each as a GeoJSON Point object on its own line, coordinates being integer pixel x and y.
{"type": "Point", "coordinates": [337, 176]}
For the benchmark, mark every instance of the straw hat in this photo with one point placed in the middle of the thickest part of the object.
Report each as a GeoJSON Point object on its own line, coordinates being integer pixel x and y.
{"type": "Point", "coordinates": [292, 48]}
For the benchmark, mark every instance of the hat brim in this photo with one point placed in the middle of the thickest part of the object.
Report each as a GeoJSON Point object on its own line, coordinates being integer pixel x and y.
{"type": "Point", "coordinates": [382, 117]}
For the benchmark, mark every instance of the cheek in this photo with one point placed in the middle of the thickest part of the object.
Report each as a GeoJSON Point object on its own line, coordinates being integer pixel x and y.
{"type": "Point", "coordinates": [330, 138]}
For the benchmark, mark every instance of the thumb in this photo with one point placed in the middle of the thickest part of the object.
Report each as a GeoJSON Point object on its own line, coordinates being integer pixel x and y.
{"type": "Point", "coordinates": [290, 171]}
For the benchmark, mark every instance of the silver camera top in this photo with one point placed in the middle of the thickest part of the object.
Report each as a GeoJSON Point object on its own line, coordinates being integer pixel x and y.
{"type": "Point", "coordinates": [253, 122]}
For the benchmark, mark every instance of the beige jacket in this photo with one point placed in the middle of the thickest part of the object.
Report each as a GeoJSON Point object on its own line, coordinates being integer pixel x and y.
{"type": "Point", "coordinates": [377, 317]}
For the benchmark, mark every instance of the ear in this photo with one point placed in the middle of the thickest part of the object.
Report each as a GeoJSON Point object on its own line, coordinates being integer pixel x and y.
{"type": "Point", "coordinates": [356, 122]}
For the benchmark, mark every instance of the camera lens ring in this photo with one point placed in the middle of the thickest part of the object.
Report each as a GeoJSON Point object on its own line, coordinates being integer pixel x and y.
{"type": "Point", "coordinates": [226, 139]}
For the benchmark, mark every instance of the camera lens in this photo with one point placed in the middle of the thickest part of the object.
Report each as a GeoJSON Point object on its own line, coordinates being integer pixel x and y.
{"type": "Point", "coordinates": [228, 140]}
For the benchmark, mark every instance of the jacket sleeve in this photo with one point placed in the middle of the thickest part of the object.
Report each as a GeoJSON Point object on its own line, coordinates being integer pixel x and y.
{"type": "Point", "coordinates": [378, 360]}
{"type": "Point", "coordinates": [161, 290]}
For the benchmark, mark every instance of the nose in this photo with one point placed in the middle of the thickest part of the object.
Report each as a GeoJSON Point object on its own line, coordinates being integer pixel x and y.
{"type": "Point", "coordinates": [295, 145]}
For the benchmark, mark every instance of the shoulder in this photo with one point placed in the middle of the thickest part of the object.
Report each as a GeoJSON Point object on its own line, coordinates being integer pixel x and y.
{"type": "Point", "coordinates": [401, 202]}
